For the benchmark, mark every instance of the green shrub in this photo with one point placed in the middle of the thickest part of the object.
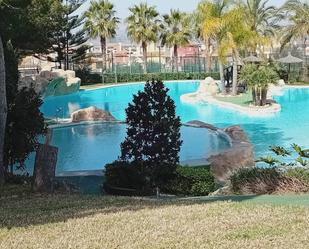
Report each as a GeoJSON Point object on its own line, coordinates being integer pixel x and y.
{"type": "Point", "coordinates": [194, 181]}
{"type": "Point", "coordinates": [255, 180]}
{"type": "Point", "coordinates": [123, 178]}
{"type": "Point", "coordinates": [10, 178]}
{"type": "Point", "coordinates": [127, 177]}
{"type": "Point", "coordinates": [298, 173]}
{"type": "Point", "coordinates": [270, 180]}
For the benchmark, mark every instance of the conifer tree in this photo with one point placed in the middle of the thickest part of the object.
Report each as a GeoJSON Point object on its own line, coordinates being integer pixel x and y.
{"type": "Point", "coordinates": [153, 133]}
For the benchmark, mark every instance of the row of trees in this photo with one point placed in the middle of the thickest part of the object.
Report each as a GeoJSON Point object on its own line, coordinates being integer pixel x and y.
{"type": "Point", "coordinates": [144, 26]}
{"type": "Point", "coordinates": [232, 27]}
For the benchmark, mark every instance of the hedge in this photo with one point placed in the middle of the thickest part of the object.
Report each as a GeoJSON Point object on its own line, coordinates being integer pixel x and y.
{"type": "Point", "coordinates": [126, 179]}
{"type": "Point", "coordinates": [192, 181]}
{"type": "Point", "coordinates": [94, 78]}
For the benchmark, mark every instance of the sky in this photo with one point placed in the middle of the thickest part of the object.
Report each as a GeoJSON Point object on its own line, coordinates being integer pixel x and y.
{"type": "Point", "coordinates": [163, 7]}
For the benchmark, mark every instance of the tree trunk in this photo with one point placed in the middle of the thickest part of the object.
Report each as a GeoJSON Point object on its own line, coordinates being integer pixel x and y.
{"type": "Point", "coordinates": [176, 57]}
{"type": "Point", "coordinates": [144, 46]}
{"type": "Point", "coordinates": [264, 96]}
{"type": "Point", "coordinates": [235, 76]}
{"type": "Point", "coordinates": [3, 111]}
{"type": "Point", "coordinates": [254, 95]}
{"type": "Point", "coordinates": [45, 166]}
{"type": "Point", "coordinates": [66, 66]}
{"type": "Point", "coordinates": [103, 48]}
{"type": "Point", "coordinates": [304, 64]}
{"type": "Point", "coordinates": [259, 96]}
{"type": "Point", "coordinates": [208, 55]}
{"type": "Point", "coordinates": [223, 90]}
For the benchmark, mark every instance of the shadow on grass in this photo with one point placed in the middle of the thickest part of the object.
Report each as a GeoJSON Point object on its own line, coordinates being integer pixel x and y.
{"type": "Point", "coordinates": [39, 210]}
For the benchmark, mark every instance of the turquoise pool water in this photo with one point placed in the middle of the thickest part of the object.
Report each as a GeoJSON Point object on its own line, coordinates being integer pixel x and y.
{"type": "Point", "coordinates": [90, 147]}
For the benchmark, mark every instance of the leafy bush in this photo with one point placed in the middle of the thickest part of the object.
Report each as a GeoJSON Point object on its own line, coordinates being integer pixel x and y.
{"type": "Point", "coordinates": [25, 122]}
{"type": "Point", "coordinates": [278, 177]}
{"type": "Point", "coordinates": [89, 78]}
{"type": "Point", "coordinates": [255, 180]}
{"type": "Point", "coordinates": [18, 179]}
{"type": "Point", "coordinates": [127, 179]}
{"type": "Point", "coordinates": [300, 161]}
{"type": "Point", "coordinates": [124, 178]}
{"type": "Point", "coordinates": [269, 180]}
{"type": "Point", "coordinates": [194, 181]}
{"type": "Point", "coordinates": [301, 174]}
{"type": "Point", "coordinates": [258, 79]}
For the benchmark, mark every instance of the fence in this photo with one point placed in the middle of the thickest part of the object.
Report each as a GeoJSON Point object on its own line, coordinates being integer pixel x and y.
{"type": "Point", "coordinates": [155, 64]}
{"type": "Point", "coordinates": [123, 68]}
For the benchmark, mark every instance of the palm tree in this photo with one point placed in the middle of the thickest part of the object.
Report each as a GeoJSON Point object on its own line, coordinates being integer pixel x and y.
{"type": "Point", "coordinates": [297, 27]}
{"type": "Point", "coordinates": [101, 22]}
{"type": "Point", "coordinates": [262, 19]}
{"type": "Point", "coordinates": [176, 32]}
{"type": "Point", "coordinates": [230, 33]}
{"type": "Point", "coordinates": [211, 19]}
{"type": "Point", "coordinates": [143, 27]}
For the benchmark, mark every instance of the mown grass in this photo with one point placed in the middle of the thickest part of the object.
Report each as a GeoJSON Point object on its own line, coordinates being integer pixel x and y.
{"type": "Point", "coordinates": [244, 99]}
{"type": "Point", "coordinates": [74, 221]}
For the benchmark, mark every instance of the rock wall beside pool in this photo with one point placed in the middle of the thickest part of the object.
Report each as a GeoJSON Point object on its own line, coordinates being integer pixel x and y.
{"type": "Point", "coordinates": [52, 83]}
{"type": "Point", "coordinates": [239, 155]}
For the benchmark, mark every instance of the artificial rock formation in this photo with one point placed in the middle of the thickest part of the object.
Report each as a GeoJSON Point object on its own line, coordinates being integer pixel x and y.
{"type": "Point", "coordinates": [240, 155]}
{"type": "Point", "coordinates": [92, 114]}
{"type": "Point", "coordinates": [52, 83]}
{"type": "Point", "coordinates": [208, 87]}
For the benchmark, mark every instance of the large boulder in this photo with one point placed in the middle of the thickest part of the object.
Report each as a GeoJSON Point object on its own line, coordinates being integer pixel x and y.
{"type": "Point", "coordinates": [92, 114]}
{"type": "Point", "coordinates": [208, 87]}
{"type": "Point", "coordinates": [240, 155]}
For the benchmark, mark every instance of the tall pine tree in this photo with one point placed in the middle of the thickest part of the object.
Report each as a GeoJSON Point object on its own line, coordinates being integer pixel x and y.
{"type": "Point", "coordinates": [153, 133]}
{"type": "Point", "coordinates": [69, 40]}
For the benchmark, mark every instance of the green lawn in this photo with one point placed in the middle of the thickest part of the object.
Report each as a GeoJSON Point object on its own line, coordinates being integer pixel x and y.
{"type": "Point", "coordinates": [244, 99]}
{"type": "Point", "coordinates": [63, 221]}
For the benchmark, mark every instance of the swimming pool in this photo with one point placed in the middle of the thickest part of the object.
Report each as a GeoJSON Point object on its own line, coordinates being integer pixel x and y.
{"type": "Point", "coordinates": [90, 147]}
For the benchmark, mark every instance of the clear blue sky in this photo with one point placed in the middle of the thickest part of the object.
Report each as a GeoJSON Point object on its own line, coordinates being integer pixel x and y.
{"type": "Point", "coordinates": [163, 6]}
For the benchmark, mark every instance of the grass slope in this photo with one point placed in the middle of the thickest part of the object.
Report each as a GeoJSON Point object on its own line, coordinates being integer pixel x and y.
{"type": "Point", "coordinates": [109, 222]}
